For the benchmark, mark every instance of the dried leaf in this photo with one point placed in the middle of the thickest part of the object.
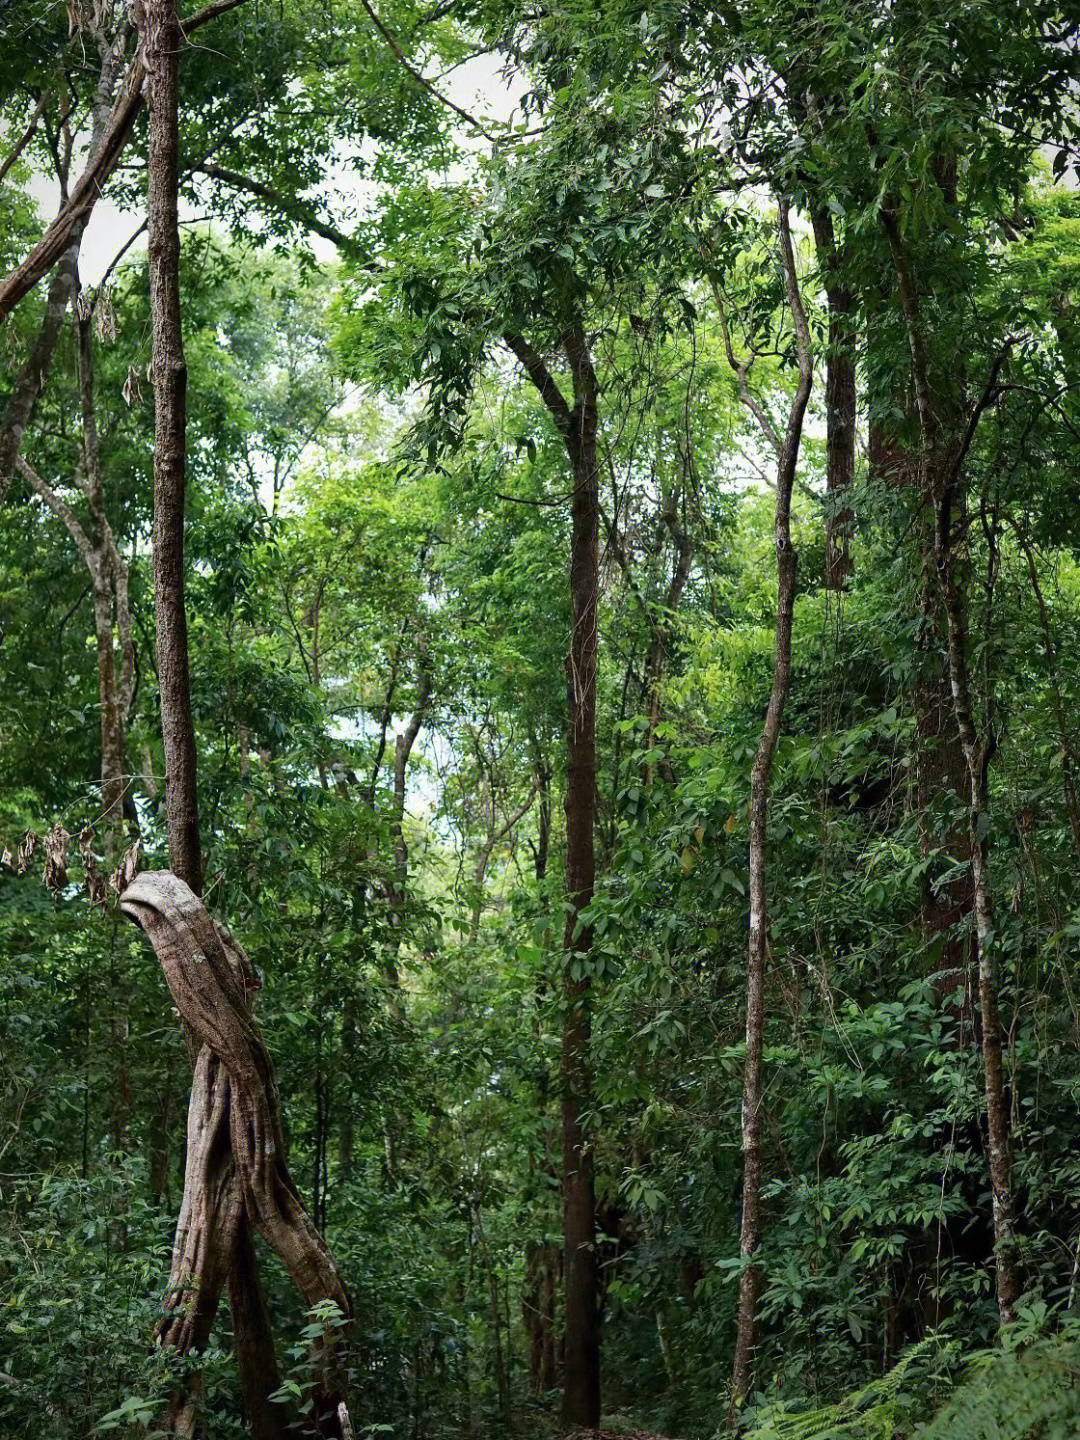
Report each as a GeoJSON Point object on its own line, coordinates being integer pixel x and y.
{"type": "Point", "coordinates": [126, 871]}
{"type": "Point", "coordinates": [83, 305]}
{"type": "Point", "coordinates": [107, 328]}
{"type": "Point", "coordinates": [27, 847]}
{"type": "Point", "coordinates": [132, 391]}
{"type": "Point", "coordinates": [7, 861]}
{"type": "Point", "coordinates": [95, 885]}
{"type": "Point", "coordinates": [55, 875]}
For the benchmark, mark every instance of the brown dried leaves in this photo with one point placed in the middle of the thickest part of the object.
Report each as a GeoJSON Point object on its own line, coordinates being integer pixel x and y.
{"type": "Point", "coordinates": [55, 876]}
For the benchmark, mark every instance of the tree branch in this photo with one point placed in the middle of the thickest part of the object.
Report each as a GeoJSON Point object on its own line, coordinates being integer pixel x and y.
{"type": "Point", "coordinates": [541, 377]}
{"type": "Point", "coordinates": [76, 210]}
{"type": "Point", "coordinates": [25, 138]}
{"type": "Point", "coordinates": [289, 205]}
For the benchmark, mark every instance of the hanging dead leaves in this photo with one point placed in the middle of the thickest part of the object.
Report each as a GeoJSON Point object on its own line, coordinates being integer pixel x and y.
{"type": "Point", "coordinates": [105, 315]}
{"type": "Point", "coordinates": [55, 878]}
{"type": "Point", "coordinates": [83, 16]}
{"type": "Point", "coordinates": [92, 881]}
{"type": "Point", "coordinates": [132, 391]}
{"type": "Point", "coordinates": [126, 871]}
{"type": "Point", "coordinates": [27, 846]}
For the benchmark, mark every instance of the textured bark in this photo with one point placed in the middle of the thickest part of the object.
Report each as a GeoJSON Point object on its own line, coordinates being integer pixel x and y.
{"type": "Point", "coordinates": [110, 592]}
{"type": "Point", "coordinates": [581, 1372]}
{"type": "Point", "coordinates": [977, 753]}
{"type": "Point", "coordinates": [236, 1162]}
{"type": "Point", "coordinates": [161, 49]}
{"type": "Point", "coordinates": [219, 1239]}
{"type": "Point", "coordinates": [840, 402]}
{"type": "Point", "coordinates": [786, 565]}
{"type": "Point", "coordinates": [253, 1340]}
{"type": "Point", "coordinates": [578, 426]}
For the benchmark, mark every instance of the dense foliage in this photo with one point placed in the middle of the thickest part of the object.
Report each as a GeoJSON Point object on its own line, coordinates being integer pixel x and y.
{"type": "Point", "coordinates": [386, 294]}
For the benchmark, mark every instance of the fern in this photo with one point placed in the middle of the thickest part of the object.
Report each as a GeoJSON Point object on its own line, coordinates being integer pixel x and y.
{"type": "Point", "coordinates": [1032, 1394]}
{"type": "Point", "coordinates": [881, 1410]}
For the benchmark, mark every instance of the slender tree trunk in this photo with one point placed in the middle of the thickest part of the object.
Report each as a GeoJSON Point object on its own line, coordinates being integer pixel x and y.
{"type": "Point", "coordinates": [657, 655]}
{"type": "Point", "coordinates": [786, 564]}
{"type": "Point", "coordinates": [162, 54]}
{"type": "Point", "coordinates": [840, 403]}
{"type": "Point", "coordinates": [977, 754]}
{"type": "Point", "coordinates": [254, 1345]}
{"type": "Point", "coordinates": [578, 426]}
{"type": "Point", "coordinates": [581, 1376]}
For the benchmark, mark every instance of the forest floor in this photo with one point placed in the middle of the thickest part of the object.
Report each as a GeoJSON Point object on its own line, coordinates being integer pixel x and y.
{"type": "Point", "coordinates": [613, 1435]}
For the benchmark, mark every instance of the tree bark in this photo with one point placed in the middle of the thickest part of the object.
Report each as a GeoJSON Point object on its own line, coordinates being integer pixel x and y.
{"type": "Point", "coordinates": [581, 1281]}
{"type": "Point", "coordinates": [840, 404]}
{"type": "Point", "coordinates": [786, 564]}
{"type": "Point", "coordinates": [236, 1147]}
{"type": "Point", "coordinates": [977, 754]}
{"type": "Point", "coordinates": [218, 1239]}
{"type": "Point", "coordinates": [581, 1375]}
{"type": "Point", "coordinates": [162, 50]}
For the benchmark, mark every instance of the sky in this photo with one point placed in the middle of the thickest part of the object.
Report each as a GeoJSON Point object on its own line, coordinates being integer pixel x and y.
{"type": "Point", "coordinates": [477, 86]}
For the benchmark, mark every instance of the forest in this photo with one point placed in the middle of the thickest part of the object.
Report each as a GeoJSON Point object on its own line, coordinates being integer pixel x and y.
{"type": "Point", "coordinates": [540, 719]}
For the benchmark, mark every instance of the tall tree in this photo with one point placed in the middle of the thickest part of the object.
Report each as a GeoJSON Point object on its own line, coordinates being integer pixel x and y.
{"type": "Point", "coordinates": [760, 774]}
{"type": "Point", "coordinates": [578, 426]}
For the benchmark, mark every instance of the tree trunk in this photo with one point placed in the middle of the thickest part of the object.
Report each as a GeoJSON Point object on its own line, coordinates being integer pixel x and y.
{"type": "Point", "coordinates": [254, 1346]}
{"type": "Point", "coordinates": [786, 563]}
{"type": "Point", "coordinates": [977, 753]}
{"type": "Point", "coordinates": [941, 466]}
{"type": "Point", "coordinates": [162, 53]}
{"type": "Point", "coordinates": [236, 1145]}
{"type": "Point", "coordinates": [578, 426]}
{"type": "Point", "coordinates": [840, 403]}
{"type": "Point", "coordinates": [581, 1376]}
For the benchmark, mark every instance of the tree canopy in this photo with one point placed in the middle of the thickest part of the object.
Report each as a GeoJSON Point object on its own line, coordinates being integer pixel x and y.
{"type": "Point", "coordinates": [540, 652]}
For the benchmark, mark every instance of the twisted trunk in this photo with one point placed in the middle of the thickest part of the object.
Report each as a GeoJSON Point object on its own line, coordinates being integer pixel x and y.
{"type": "Point", "coordinates": [237, 1170]}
